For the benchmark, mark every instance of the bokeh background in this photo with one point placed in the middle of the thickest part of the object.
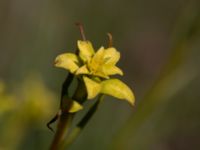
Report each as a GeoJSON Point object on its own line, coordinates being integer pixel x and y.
{"type": "Point", "coordinates": [159, 41]}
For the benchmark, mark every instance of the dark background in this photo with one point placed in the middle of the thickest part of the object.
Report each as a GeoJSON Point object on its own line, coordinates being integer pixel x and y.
{"type": "Point", "coordinates": [159, 45]}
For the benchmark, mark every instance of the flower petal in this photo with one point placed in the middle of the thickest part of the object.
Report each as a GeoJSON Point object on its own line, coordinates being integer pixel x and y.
{"type": "Point", "coordinates": [118, 89]}
{"type": "Point", "coordinates": [75, 106]}
{"type": "Point", "coordinates": [82, 70]}
{"type": "Point", "coordinates": [96, 64]}
{"type": "Point", "coordinates": [93, 88]}
{"type": "Point", "coordinates": [111, 56]}
{"type": "Point", "coordinates": [86, 50]}
{"type": "Point", "coordinates": [67, 61]}
{"type": "Point", "coordinates": [111, 70]}
{"type": "Point", "coordinates": [97, 60]}
{"type": "Point", "coordinates": [101, 74]}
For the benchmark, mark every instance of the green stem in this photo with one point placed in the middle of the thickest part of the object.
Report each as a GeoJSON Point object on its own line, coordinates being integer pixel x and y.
{"type": "Point", "coordinates": [62, 129]}
{"type": "Point", "coordinates": [66, 85]}
{"type": "Point", "coordinates": [65, 118]}
{"type": "Point", "coordinates": [80, 126]}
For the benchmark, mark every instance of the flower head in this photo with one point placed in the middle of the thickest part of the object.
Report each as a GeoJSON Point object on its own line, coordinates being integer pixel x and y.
{"type": "Point", "coordinates": [101, 64]}
{"type": "Point", "coordinates": [96, 68]}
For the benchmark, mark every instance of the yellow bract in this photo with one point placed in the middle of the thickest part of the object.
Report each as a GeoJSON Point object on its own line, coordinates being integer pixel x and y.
{"type": "Point", "coordinates": [75, 106]}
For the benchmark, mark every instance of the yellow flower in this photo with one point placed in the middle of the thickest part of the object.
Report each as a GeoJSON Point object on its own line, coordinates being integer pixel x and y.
{"type": "Point", "coordinates": [100, 66]}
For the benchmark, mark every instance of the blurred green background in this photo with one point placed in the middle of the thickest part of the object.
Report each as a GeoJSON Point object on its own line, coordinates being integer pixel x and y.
{"type": "Point", "coordinates": [160, 56]}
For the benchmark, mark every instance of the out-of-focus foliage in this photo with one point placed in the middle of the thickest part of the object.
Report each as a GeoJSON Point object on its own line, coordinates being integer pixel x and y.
{"type": "Point", "coordinates": [27, 106]}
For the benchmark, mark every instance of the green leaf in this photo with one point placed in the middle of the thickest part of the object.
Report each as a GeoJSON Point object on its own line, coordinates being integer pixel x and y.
{"type": "Point", "coordinates": [75, 106]}
{"type": "Point", "coordinates": [67, 61]}
{"type": "Point", "coordinates": [86, 50]}
{"type": "Point", "coordinates": [118, 89]}
{"type": "Point", "coordinates": [93, 88]}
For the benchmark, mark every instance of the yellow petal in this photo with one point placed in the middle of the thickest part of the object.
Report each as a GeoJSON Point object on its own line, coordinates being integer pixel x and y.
{"type": "Point", "coordinates": [96, 64]}
{"type": "Point", "coordinates": [93, 88]}
{"type": "Point", "coordinates": [97, 60]}
{"type": "Point", "coordinates": [67, 61]}
{"type": "Point", "coordinates": [112, 70]}
{"type": "Point", "coordinates": [111, 56]}
{"type": "Point", "coordinates": [75, 106]}
{"type": "Point", "coordinates": [101, 74]}
{"type": "Point", "coordinates": [86, 50]}
{"type": "Point", "coordinates": [118, 89]}
{"type": "Point", "coordinates": [82, 70]}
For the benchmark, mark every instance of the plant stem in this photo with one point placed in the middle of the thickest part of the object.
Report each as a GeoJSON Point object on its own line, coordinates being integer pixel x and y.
{"type": "Point", "coordinates": [65, 118]}
{"type": "Point", "coordinates": [62, 129]}
{"type": "Point", "coordinates": [77, 130]}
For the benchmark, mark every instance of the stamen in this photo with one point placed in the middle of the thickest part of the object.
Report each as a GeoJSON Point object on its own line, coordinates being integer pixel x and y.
{"type": "Point", "coordinates": [80, 26]}
{"type": "Point", "coordinates": [110, 40]}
